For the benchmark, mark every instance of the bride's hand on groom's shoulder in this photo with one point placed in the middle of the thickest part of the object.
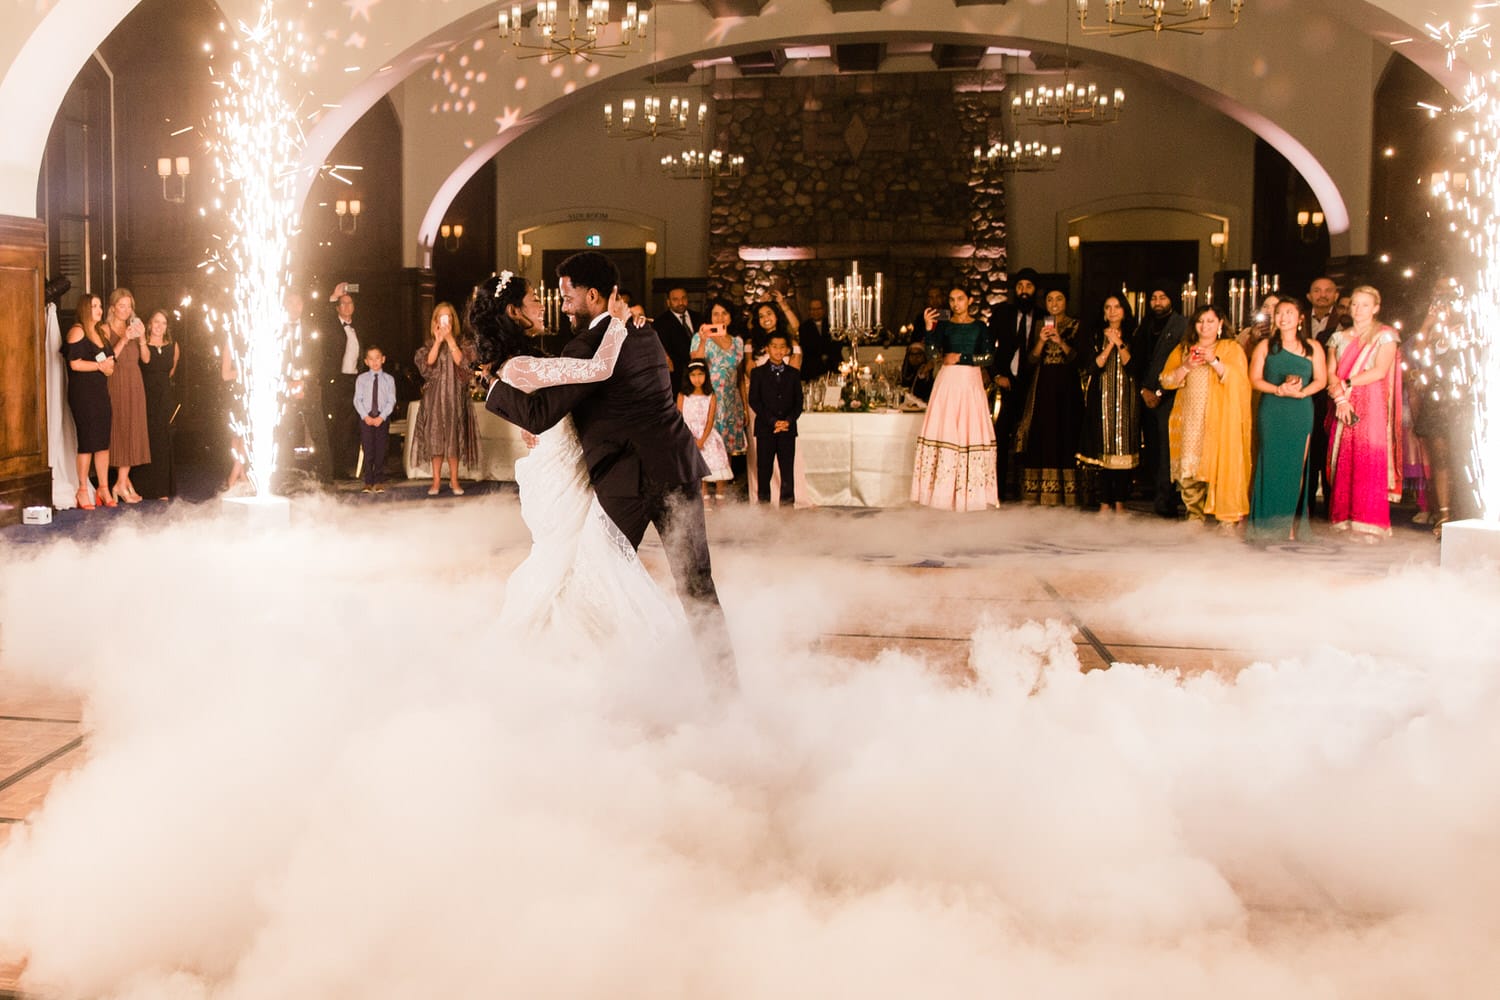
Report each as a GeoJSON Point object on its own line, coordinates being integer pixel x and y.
{"type": "Point", "coordinates": [529, 439]}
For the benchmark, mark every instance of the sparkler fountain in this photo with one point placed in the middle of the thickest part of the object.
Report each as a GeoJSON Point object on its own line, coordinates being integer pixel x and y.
{"type": "Point", "coordinates": [257, 144]}
{"type": "Point", "coordinates": [1475, 207]}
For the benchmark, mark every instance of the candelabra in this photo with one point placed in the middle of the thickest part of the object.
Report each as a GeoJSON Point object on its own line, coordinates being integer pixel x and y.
{"type": "Point", "coordinates": [582, 41]}
{"type": "Point", "coordinates": [1245, 295]}
{"type": "Point", "coordinates": [853, 307]}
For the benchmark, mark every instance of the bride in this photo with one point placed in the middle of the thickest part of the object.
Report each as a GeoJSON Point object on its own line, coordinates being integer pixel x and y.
{"type": "Point", "coordinates": [582, 576]}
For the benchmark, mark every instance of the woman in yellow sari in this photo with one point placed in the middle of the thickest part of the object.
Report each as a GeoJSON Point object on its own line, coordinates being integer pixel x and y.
{"type": "Point", "coordinates": [1210, 424]}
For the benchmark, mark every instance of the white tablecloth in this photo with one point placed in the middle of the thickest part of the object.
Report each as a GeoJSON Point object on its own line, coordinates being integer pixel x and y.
{"type": "Point", "coordinates": [848, 459]}
{"type": "Point", "coordinates": [857, 459]}
{"type": "Point", "coordinates": [500, 445]}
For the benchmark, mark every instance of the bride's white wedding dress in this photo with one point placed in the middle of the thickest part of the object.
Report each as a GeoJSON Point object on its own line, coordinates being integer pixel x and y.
{"type": "Point", "coordinates": [582, 577]}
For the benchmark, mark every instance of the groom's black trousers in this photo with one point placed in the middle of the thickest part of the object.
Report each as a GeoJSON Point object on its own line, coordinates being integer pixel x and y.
{"type": "Point", "coordinates": [677, 513]}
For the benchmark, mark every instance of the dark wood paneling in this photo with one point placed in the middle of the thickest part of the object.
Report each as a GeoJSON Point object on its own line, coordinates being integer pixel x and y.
{"type": "Point", "coordinates": [25, 477]}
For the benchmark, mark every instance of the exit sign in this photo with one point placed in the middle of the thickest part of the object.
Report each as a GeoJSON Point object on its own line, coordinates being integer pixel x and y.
{"type": "Point", "coordinates": [593, 240]}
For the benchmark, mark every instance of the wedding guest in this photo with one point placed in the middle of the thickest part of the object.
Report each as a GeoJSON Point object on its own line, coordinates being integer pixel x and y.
{"type": "Point", "coordinates": [916, 371]}
{"type": "Point", "coordinates": [675, 328]}
{"type": "Point", "coordinates": [1012, 324]}
{"type": "Point", "coordinates": [1364, 444]}
{"type": "Point", "coordinates": [1210, 425]}
{"type": "Point", "coordinates": [1110, 438]}
{"type": "Point", "coordinates": [820, 355]}
{"type": "Point", "coordinates": [374, 401]}
{"type": "Point", "coordinates": [342, 350]}
{"type": "Point", "coordinates": [90, 363]}
{"type": "Point", "coordinates": [159, 364]}
{"type": "Point", "coordinates": [445, 428]}
{"type": "Point", "coordinates": [1161, 330]}
{"type": "Point", "coordinates": [1260, 324]}
{"type": "Point", "coordinates": [129, 437]}
{"type": "Point", "coordinates": [776, 400]}
{"type": "Point", "coordinates": [955, 466]}
{"type": "Point", "coordinates": [1289, 370]}
{"type": "Point", "coordinates": [772, 319]}
{"type": "Point", "coordinates": [697, 405]}
{"type": "Point", "coordinates": [1323, 317]}
{"type": "Point", "coordinates": [723, 354]}
{"type": "Point", "coordinates": [768, 320]}
{"type": "Point", "coordinates": [1440, 393]}
{"type": "Point", "coordinates": [1047, 431]}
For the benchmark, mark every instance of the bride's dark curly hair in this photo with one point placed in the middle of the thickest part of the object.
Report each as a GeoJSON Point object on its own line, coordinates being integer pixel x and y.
{"type": "Point", "coordinates": [499, 337]}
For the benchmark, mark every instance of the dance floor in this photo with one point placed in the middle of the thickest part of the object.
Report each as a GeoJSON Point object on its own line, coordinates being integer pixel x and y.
{"type": "Point", "coordinates": [835, 593]}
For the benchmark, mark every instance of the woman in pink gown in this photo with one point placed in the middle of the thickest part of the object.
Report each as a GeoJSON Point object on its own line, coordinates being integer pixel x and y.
{"type": "Point", "coordinates": [1364, 427]}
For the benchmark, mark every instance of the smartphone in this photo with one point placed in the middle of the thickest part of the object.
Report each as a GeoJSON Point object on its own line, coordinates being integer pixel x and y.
{"type": "Point", "coordinates": [352, 288]}
{"type": "Point", "coordinates": [1050, 322]}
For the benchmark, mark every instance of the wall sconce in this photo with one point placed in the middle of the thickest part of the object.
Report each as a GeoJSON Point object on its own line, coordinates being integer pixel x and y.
{"type": "Point", "coordinates": [348, 210]}
{"type": "Point", "coordinates": [650, 248]}
{"type": "Point", "coordinates": [451, 235]}
{"type": "Point", "coordinates": [1309, 221]}
{"type": "Point", "coordinates": [525, 252]}
{"type": "Point", "coordinates": [1220, 241]}
{"type": "Point", "coordinates": [165, 168]}
{"type": "Point", "coordinates": [1074, 242]}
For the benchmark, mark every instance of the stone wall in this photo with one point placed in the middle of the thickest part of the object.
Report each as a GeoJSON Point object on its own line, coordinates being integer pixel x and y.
{"type": "Point", "coordinates": [873, 168]}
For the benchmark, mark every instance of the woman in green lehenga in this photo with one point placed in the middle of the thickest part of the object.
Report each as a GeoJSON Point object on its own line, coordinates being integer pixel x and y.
{"type": "Point", "coordinates": [1287, 369]}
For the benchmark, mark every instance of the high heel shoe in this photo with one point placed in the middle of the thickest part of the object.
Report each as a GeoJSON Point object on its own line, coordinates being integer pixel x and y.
{"type": "Point", "coordinates": [129, 496]}
{"type": "Point", "coordinates": [104, 498]}
{"type": "Point", "coordinates": [85, 499]}
{"type": "Point", "coordinates": [1442, 518]}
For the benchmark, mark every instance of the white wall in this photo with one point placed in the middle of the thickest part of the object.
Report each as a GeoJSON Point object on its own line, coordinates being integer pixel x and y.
{"type": "Point", "coordinates": [1166, 156]}
{"type": "Point", "coordinates": [567, 177]}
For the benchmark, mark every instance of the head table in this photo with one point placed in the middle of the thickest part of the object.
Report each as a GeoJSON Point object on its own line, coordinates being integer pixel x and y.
{"type": "Point", "coordinates": [843, 459]}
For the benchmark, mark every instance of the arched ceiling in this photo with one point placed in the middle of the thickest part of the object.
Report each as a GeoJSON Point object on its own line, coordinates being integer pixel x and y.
{"type": "Point", "coordinates": [1260, 73]}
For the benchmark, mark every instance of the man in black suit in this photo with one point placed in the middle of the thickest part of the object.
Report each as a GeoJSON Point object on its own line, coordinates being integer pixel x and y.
{"type": "Point", "coordinates": [642, 460]}
{"type": "Point", "coordinates": [676, 327]}
{"type": "Point", "coordinates": [820, 355]}
{"type": "Point", "coordinates": [776, 398]}
{"type": "Point", "coordinates": [341, 355]}
{"type": "Point", "coordinates": [1011, 326]}
{"type": "Point", "coordinates": [1161, 329]}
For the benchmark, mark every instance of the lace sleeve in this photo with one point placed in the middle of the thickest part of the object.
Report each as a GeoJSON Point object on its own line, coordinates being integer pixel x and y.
{"type": "Point", "coordinates": [530, 374]}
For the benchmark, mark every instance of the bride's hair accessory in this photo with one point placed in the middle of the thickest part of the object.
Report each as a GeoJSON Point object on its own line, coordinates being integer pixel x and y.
{"type": "Point", "coordinates": [498, 335]}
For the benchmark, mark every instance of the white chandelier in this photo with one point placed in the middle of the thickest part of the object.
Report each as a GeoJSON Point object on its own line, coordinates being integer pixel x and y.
{"type": "Point", "coordinates": [1018, 157]}
{"type": "Point", "coordinates": [647, 120]}
{"type": "Point", "coordinates": [1190, 16]}
{"type": "Point", "coordinates": [1070, 104]}
{"type": "Point", "coordinates": [696, 165]}
{"type": "Point", "coordinates": [583, 40]}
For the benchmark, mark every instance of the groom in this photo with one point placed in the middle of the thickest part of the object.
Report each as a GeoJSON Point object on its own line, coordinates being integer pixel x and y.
{"type": "Point", "coordinates": [643, 462]}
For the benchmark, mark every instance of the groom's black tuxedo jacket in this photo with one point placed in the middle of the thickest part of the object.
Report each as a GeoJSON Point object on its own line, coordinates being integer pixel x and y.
{"type": "Point", "coordinates": [628, 424]}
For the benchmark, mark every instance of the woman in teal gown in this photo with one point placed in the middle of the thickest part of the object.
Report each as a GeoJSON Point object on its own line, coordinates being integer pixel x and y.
{"type": "Point", "coordinates": [1287, 369]}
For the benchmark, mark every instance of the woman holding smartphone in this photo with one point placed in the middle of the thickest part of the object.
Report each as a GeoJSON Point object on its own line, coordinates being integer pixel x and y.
{"type": "Point", "coordinates": [90, 363]}
{"type": "Point", "coordinates": [1047, 435]}
{"type": "Point", "coordinates": [1110, 440]}
{"type": "Point", "coordinates": [1364, 427]}
{"type": "Point", "coordinates": [1288, 370]}
{"type": "Point", "coordinates": [724, 354]}
{"type": "Point", "coordinates": [1210, 424]}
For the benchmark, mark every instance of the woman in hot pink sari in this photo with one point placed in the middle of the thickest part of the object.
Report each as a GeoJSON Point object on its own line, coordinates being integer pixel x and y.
{"type": "Point", "coordinates": [1364, 428]}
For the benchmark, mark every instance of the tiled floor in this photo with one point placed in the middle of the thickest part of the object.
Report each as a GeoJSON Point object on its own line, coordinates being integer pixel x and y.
{"type": "Point", "coordinates": [42, 734]}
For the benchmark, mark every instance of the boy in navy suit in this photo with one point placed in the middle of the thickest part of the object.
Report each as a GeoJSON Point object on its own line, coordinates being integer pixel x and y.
{"type": "Point", "coordinates": [374, 401]}
{"type": "Point", "coordinates": [776, 398]}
